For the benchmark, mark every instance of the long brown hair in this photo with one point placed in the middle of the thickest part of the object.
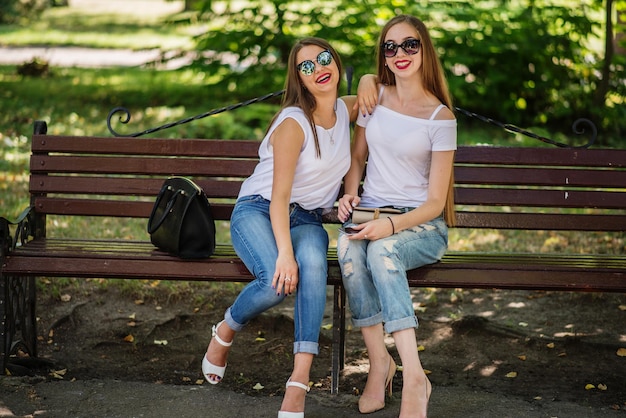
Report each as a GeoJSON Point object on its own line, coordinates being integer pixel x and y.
{"type": "Point", "coordinates": [433, 79]}
{"type": "Point", "coordinates": [295, 93]}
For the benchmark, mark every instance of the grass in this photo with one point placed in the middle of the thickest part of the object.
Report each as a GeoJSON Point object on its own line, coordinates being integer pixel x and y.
{"type": "Point", "coordinates": [132, 25]}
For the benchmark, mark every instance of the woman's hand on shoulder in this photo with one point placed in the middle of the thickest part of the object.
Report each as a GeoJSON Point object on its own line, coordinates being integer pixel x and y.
{"type": "Point", "coordinates": [367, 94]}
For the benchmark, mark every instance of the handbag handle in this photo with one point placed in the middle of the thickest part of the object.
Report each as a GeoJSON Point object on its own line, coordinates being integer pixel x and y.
{"type": "Point", "coordinates": [168, 208]}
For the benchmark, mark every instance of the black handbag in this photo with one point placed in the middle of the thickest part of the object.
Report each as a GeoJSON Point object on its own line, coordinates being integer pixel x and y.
{"type": "Point", "coordinates": [181, 222]}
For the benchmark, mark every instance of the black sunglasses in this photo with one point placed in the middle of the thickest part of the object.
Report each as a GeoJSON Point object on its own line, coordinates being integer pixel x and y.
{"type": "Point", "coordinates": [307, 67]}
{"type": "Point", "coordinates": [410, 46]}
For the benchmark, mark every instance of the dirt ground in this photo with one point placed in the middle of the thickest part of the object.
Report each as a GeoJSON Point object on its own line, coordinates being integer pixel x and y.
{"type": "Point", "coordinates": [542, 347]}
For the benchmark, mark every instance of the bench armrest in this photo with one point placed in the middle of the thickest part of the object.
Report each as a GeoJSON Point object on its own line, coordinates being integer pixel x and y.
{"type": "Point", "coordinates": [23, 226]}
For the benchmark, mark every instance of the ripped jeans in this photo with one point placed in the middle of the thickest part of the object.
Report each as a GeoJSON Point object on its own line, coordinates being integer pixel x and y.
{"type": "Point", "coordinates": [374, 273]}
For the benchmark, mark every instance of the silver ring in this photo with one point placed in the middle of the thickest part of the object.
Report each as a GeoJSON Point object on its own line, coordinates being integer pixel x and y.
{"type": "Point", "coordinates": [287, 279]}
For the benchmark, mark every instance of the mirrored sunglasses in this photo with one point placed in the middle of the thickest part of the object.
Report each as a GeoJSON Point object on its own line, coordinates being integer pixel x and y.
{"type": "Point", "coordinates": [410, 46]}
{"type": "Point", "coordinates": [307, 67]}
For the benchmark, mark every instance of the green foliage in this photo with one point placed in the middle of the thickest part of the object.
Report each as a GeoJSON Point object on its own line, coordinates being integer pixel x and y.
{"type": "Point", "coordinates": [15, 11]}
{"type": "Point", "coordinates": [534, 64]}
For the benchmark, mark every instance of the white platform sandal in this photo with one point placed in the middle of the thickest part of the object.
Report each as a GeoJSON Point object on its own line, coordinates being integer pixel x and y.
{"type": "Point", "coordinates": [209, 368]}
{"type": "Point", "coordinates": [285, 414]}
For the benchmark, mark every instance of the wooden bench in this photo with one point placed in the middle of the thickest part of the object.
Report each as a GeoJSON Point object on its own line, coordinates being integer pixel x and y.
{"type": "Point", "coordinates": [501, 188]}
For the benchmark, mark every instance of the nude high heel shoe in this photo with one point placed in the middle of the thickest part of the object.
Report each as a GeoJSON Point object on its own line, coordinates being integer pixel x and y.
{"type": "Point", "coordinates": [367, 404]}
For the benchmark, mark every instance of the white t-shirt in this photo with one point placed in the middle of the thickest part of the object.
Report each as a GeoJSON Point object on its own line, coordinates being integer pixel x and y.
{"type": "Point", "coordinates": [400, 149]}
{"type": "Point", "coordinates": [317, 179]}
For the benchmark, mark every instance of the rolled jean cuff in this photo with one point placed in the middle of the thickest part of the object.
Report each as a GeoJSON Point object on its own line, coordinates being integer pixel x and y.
{"type": "Point", "coordinates": [400, 324]}
{"type": "Point", "coordinates": [234, 325]}
{"type": "Point", "coordinates": [306, 347]}
{"type": "Point", "coordinates": [368, 322]}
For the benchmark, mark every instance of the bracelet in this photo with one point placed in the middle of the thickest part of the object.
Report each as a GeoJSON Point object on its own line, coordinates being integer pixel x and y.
{"type": "Point", "coordinates": [393, 228]}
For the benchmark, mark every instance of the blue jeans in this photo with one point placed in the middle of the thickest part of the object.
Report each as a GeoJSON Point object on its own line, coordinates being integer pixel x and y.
{"type": "Point", "coordinates": [374, 273]}
{"type": "Point", "coordinates": [253, 240]}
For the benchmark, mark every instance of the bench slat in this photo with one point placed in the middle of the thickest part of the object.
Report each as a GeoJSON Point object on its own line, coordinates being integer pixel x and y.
{"type": "Point", "coordinates": [124, 186]}
{"type": "Point", "coordinates": [146, 146]}
{"type": "Point", "coordinates": [140, 260]}
{"type": "Point", "coordinates": [559, 157]}
{"type": "Point", "coordinates": [540, 198]}
{"type": "Point", "coordinates": [540, 176]}
{"type": "Point", "coordinates": [141, 166]}
{"type": "Point", "coordinates": [113, 208]}
{"type": "Point", "coordinates": [540, 221]}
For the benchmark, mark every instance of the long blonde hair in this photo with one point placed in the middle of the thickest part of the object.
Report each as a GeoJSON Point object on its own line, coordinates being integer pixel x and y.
{"type": "Point", "coordinates": [433, 79]}
{"type": "Point", "coordinates": [295, 93]}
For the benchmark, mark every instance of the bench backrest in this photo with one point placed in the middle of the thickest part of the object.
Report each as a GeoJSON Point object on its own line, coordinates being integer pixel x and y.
{"type": "Point", "coordinates": [496, 187]}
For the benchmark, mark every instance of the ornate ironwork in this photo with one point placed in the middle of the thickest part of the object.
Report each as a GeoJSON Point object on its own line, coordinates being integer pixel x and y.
{"type": "Point", "coordinates": [577, 126]}
{"type": "Point", "coordinates": [182, 121]}
{"type": "Point", "coordinates": [18, 332]}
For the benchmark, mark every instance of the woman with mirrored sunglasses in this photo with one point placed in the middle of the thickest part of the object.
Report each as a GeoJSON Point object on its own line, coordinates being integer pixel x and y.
{"type": "Point", "coordinates": [408, 142]}
{"type": "Point", "coordinates": [276, 225]}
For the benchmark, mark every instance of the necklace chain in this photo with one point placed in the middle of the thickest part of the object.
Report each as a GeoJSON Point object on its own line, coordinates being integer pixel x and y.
{"type": "Point", "coordinates": [330, 133]}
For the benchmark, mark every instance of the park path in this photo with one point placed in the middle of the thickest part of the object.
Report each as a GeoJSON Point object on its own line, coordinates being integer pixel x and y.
{"type": "Point", "coordinates": [85, 57]}
{"type": "Point", "coordinates": [96, 57]}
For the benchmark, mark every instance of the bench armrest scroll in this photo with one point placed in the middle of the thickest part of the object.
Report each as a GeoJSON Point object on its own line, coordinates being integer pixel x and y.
{"type": "Point", "coordinates": [23, 230]}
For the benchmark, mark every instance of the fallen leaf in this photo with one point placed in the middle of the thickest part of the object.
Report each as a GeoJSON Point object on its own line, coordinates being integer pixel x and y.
{"type": "Point", "coordinates": [523, 324]}
{"type": "Point", "coordinates": [318, 385]}
{"type": "Point", "coordinates": [550, 345]}
{"type": "Point", "coordinates": [129, 338]}
{"type": "Point", "coordinates": [200, 381]}
{"type": "Point", "coordinates": [522, 357]}
{"type": "Point", "coordinates": [259, 339]}
{"type": "Point", "coordinates": [131, 323]}
{"type": "Point", "coordinates": [58, 374]}
{"type": "Point", "coordinates": [258, 386]}
{"type": "Point", "coordinates": [196, 310]}
{"type": "Point", "coordinates": [562, 354]}
{"type": "Point", "coordinates": [602, 386]}
{"type": "Point", "coordinates": [138, 302]}
{"type": "Point", "coordinates": [327, 326]}
{"type": "Point", "coordinates": [511, 374]}
{"type": "Point", "coordinates": [421, 348]}
{"type": "Point", "coordinates": [427, 372]}
{"type": "Point", "coordinates": [132, 316]}
{"type": "Point", "coordinates": [537, 398]}
{"type": "Point", "coordinates": [160, 342]}
{"type": "Point", "coordinates": [589, 386]}
{"type": "Point", "coordinates": [622, 307]}
{"type": "Point", "coordinates": [621, 352]}
{"type": "Point", "coordinates": [66, 298]}
{"type": "Point", "coordinates": [186, 379]}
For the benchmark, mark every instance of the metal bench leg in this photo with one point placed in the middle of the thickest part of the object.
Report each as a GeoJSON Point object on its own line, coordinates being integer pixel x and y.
{"type": "Point", "coordinates": [339, 336]}
{"type": "Point", "coordinates": [18, 322]}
